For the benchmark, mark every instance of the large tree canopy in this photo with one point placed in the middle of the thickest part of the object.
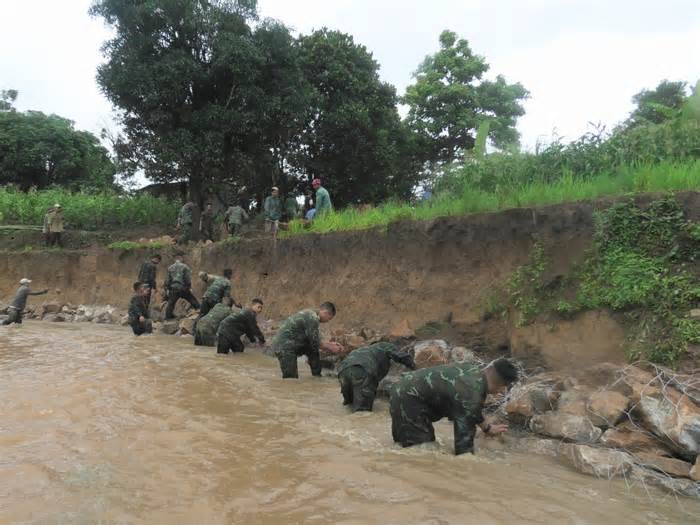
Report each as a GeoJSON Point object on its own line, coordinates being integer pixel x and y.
{"type": "Point", "coordinates": [660, 104]}
{"type": "Point", "coordinates": [353, 138]}
{"type": "Point", "coordinates": [38, 150]}
{"type": "Point", "coordinates": [450, 100]}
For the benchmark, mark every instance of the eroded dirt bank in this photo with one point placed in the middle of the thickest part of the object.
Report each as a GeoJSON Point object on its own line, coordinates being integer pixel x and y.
{"type": "Point", "coordinates": [415, 272]}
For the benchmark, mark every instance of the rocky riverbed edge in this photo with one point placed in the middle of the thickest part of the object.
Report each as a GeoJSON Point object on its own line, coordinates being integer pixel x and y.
{"type": "Point", "coordinates": [637, 422]}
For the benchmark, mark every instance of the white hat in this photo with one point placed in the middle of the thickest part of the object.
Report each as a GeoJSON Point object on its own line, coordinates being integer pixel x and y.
{"type": "Point", "coordinates": [24, 281]}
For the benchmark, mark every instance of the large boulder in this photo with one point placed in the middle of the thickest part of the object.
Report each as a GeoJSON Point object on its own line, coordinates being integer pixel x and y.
{"type": "Point", "coordinates": [673, 417]}
{"type": "Point", "coordinates": [431, 353]}
{"type": "Point", "coordinates": [695, 470]}
{"type": "Point", "coordinates": [535, 397]}
{"type": "Point", "coordinates": [607, 408]}
{"type": "Point", "coordinates": [565, 426]}
{"type": "Point", "coordinates": [170, 327]}
{"type": "Point", "coordinates": [106, 314]}
{"type": "Point", "coordinates": [182, 309]}
{"type": "Point", "coordinates": [460, 354]}
{"type": "Point", "coordinates": [600, 462]}
{"type": "Point", "coordinates": [670, 466]}
{"type": "Point", "coordinates": [632, 438]}
{"type": "Point", "coordinates": [51, 307]}
{"type": "Point", "coordinates": [86, 313]}
{"type": "Point", "coordinates": [187, 325]}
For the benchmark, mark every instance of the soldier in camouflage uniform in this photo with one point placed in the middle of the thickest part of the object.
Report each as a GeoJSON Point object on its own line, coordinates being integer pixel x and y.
{"type": "Point", "coordinates": [147, 275]}
{"type": "Point", "coordinates": [178, 285]}
{"type": "Point", "coordinates": [299, 335]}
{"type": "Point", "coordinates": [138, 311]}
{"type": "Point", "coordinates": [19, 302]}
{"type": "Point", "coordinates": [217, 289]}
{"type": "Point", "coordinates": [206, 224]}
{"type": "Point", "coordinates": [457, 392]}
{"type": "Point", "coordinates": [206, 327]}
{"type": "Point", "coordinates": [233, 219]}
{"type": "Point", "coordinates": [236, 325]}
{"type": "Point", "coordinates": [361, 371]}
{"type": "Point", "coordinates": [184, 223]}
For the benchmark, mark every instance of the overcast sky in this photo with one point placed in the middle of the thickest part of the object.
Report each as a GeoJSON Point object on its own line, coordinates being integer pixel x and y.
{"type": "Point", "coordinates": [581, 60]}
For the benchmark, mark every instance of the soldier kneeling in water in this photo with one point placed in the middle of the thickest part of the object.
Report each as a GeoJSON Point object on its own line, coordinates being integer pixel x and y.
{"type": "Point", "coordinates": [235, 326]}
{"type": "Point", "coordinates": [361, 371]}
{"type": "Point", "coordinates": [138, 312]}
{"type": "Point", "coordinates": [206, 327]}
{"type": "Point", "coordinates": [457, 392]}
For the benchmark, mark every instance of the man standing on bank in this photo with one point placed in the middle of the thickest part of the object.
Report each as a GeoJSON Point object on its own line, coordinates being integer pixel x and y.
{"type": "Point", "coordinates": [16, 308]}
{"type": "Point", "coordinates": [457, 392]}
{"type": "Point", "coordinates": [361, 371]}
{"type": "Point", "coordinates": [300, 335]}
{"type": "Point", "coordinates": [273, 211]}
{"type": "Point", "coordinates": [206, 224]}
{"type": "Point", "coordinates": [322, 199]}
{"type": "Point", "coordinates": [147, 276]}
{"type": "Point", "coordinates": [178, 285]}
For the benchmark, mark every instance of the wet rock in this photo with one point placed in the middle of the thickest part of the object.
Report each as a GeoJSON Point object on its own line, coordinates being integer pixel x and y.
{"type": "Point", "coordinates": [353, 342]}
{"type": "Point", "coordinates": [170, 327]}
{"type": "Point", "coordinates": [86, 312]}
{"type": "Point", "coordinates": [631, 438]}
{"type": "Point", "coordinates": [182, 309]}
{"type": "Point", "coordinates": [402, 329]}
{"type": "Point", "coordinates": [607, 408]}
{"type": "Point", "coordinates": [431, 353]}
{"type": "Point", "coordinates": [573, 402]}
{"type": "Point", "coordinates": [600, 462]}
{"type": "Point", "coordinates": [645, 477]}
{"type": "Point", "coordinates": [51, 307]}
{"type": "Point", "coordinates": [535, 397]}
{"type": "Point", "coordinates": [695, 470]}
{"type": "Point", "coordinates": [124, 321]}
{"type": "Point", "coordinates": [670, 466]}
{"type": "Point", "coordinates": [565, 426]}
{"type": "Point", "coordinates": [54, 318]}
{"type": "Point", "coordinates": [460, 354]}
{"type": "Point", "coordinates": [370, 335]}
{"type": "Point", "coordinates": [674, 418]}
{"type": "Point", "coordinates": [187, 325]}
{"type": "Point", "coordinates": [521, 444]}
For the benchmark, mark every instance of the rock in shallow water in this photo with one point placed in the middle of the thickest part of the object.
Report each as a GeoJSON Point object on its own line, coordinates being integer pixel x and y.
{"type": "Point", "coordinates": [600, 462]}
{"type": "Point", "coordinates": [565, 426]}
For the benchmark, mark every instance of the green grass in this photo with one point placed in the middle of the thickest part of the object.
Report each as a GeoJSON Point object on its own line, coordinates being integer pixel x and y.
{"type": "Point", "coordinates": [85, 211]}
{"type": "Point", "coordinates": [663, 177]}
{"type": "Point", "coordinates": [129, 245]}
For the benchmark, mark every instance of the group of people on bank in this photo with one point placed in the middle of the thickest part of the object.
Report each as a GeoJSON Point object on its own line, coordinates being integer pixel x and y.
{"type": "Point", "coordinates": [420, 397]}
{"type": "Point", "coordinates": [276, 211]}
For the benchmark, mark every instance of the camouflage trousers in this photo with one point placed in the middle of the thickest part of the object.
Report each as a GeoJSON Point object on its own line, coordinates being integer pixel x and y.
{"type": "Point", "coordinates": [175, 293]}
{"type": "Point", "coordinates": [288, 362]}
{"type": "Point", "coordinates": [142, 328]}
{"type": "Point", "coordinates": [358, 388]}
{"type": "Point", "coordinates": [226, 343]}
{"type": "Point", "coordinates": [202, 338]}
{"type": "Point", "coordinates": [14, 316]}
{"type": "Point", "coordinates": [410, 420]}
{"type": "Point", "coordinates": [185, 234]}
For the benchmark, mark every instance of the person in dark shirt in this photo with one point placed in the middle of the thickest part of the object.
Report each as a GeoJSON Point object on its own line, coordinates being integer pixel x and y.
{"type": "Point", "coordinates": [206, 224]}
{"type": "Point", "coordinates": [457, 392]}
{"type": "Point", "coordinates": [147, 275]}
{"type": "Point", "coordinates": [362, 370]}
{"type": "Point", "coordinates": [138, 312]}
{"type": "Point", "coordinates": [231, 329]}
{"type": "Point", "coordinates": [19, 302]}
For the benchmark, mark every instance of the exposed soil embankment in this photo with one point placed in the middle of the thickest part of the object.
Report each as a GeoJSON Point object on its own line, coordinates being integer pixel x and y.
{"type": "Point", "coordinates": [418, 272]}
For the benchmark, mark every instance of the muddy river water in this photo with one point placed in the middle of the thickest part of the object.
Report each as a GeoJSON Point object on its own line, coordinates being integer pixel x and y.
{"type": "Point", "coordinates": [97, 426]}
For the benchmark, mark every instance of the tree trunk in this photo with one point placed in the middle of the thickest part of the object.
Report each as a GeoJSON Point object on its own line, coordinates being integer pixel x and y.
{"type": "Point", "coordinates": [196, 196]}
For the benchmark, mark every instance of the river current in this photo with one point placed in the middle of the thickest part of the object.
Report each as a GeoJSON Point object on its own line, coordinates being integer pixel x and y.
{"type": "Point", "coordinates": [98, 426]}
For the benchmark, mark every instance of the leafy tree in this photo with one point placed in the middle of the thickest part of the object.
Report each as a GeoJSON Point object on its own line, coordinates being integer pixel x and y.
{"type": "Point", "coordinates": [660, 104]}
{"type": "Point", "coordinates": [353, 138]}
{"type": "Point", "coordinates": [450, 100]}
{"type": "Point", "coordinates": [38, 150]}
{"type": "Point", "coordinates": [7, 99]}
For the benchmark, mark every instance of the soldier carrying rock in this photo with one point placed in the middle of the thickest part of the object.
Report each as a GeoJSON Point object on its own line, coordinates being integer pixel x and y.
{"type": "Point", "coordinates": [178, 285]}
{"type": "Point", "coordinates": [457, 392]}
{"type": "Point", "coordinates": [206, 327]}
{"type": "Point", "coordinates": [16, 308]}
{"type": "Point", "coordinates": [361, 371]}
{"type": "Point", "coordinates": [300, 335]}
{"type": "Point", "coordinates": [138, 311]}
{"type": "Point", "coordinates": [236, 325]}
{"type": "Point", "coordinates": [218, 288]}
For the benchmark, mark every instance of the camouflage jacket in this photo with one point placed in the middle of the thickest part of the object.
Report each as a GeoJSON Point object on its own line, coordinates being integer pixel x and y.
{"type": "Point", "coordinates": [376, 359]}
{"type": "Point", "coordinates": [137, 308]}
{"type": "Point", "coordinates": [218, 288]}
{"type": "Point", "coordinates": [206, 220]}
{"type": "Point", "coordinates": [457, 392]}
{"type": "Point", "coordinates": [209, 324]}
{"type": "Point", "coordinates": [147, 274]}
{"type": "Point", "coordinates": [179, 274]}
{"type": "Point", "coordinates": [299, 334]}
{"type": "Point", "coordinates": [235, 215]}
{"type": "Point", "coordinates": [273, 208]}
{"type": "Point", "coordinates": [323, 201]}
{"type": "Point", "coordinates": [241, 323]}
{"type": "Point", "coordinates": [186, 214]}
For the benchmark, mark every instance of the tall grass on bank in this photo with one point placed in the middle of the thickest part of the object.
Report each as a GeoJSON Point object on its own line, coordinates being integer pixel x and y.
{"type": "Point", "coordinates": [86, 211]}
{"type": "Point", "coordinates": [629, 180]}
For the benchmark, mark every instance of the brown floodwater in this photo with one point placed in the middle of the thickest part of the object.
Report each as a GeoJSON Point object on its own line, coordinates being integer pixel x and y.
{"type": "Point", "coordinates": [98, 426]}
